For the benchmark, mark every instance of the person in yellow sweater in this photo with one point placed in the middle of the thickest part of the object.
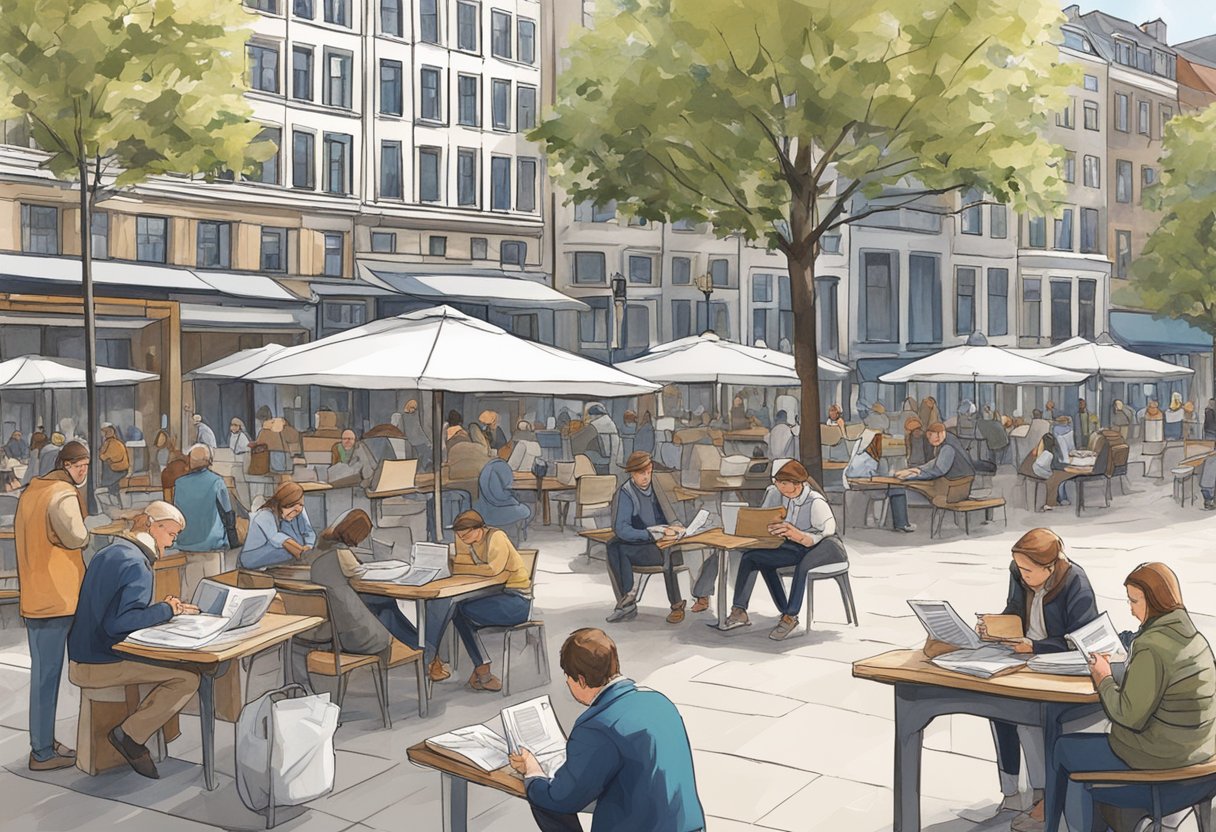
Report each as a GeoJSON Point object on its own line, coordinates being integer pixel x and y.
{"type": "Point", "coordinates": [50, 534]}
{"type": "Point", "coordinates": [485, 551]}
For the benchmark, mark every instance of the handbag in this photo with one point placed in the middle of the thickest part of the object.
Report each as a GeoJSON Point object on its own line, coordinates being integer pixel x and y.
{"type": "Point", "coordinates": [259, 459]}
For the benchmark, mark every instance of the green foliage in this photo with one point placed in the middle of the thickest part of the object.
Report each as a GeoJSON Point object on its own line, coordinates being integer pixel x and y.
{"type": "Point", "coordinates": [1176, 273]}
{"type": "Point", "coordinates": [743, 115]}
{"type": "Point", "coordinates": [136, 87]}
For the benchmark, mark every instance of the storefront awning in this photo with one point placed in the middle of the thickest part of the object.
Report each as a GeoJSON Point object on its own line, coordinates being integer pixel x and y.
{"type": "Point", "coordinates": [204, 316]}
{"type": "Point", "coordinates": [1142, 332]}
{"type": "Point", "coordinates": [487, 287]}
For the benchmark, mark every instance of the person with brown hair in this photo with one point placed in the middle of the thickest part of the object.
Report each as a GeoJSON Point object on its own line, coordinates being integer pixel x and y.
{"type": "Point", "coordinates": [1053, 597]}
{"type": "Point", "coordinates": [628, 753]}
{"type": "Point", "coordinates": [916, 448]}
{"type": "Point", "coordinates": [1162, 713]}
{"type": "Point", "coordinates": [279, 532]}
{"type": "Point", "coordinates": [950, 461]}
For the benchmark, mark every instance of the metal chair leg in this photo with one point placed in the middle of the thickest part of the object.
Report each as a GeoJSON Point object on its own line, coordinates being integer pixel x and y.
{"type": "Point", "coordinates": [1203, 815]}
{"type": "Point", "coordinates": [643, 579]}
{"type": "Point", "coordinates": [810, 604]}
{"type": "Point", "coordinates": [420, 676]}
{"type": "Point", "coordinates": [380, 680]}
{"type": "Point", "coordinates": [506, 663]}
{"type": "Point", "coordinates": [543, 651]}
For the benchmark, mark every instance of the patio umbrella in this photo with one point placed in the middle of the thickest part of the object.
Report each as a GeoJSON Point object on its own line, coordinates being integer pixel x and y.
{"type": "Point", "coordinates": [36, 372]}
{"type": "Point", "coordinates": [979, 363]}
{"type": "Point", "coordinates": [707, 358]}
{"type": "Point", "coordinates": [443, 350]}
{"type": "Point", "coordinates": [1108, 360]}
{"type": "Point", "coordinates": [236, 365]}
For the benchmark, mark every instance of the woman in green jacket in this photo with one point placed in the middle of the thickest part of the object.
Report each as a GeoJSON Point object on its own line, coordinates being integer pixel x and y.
{"type": "Point", "coordinates": [1162, 714]}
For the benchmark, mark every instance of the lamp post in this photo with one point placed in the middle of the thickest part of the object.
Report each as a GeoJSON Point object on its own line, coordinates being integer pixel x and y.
{"type": "Point", "coordinates": [619, 290]}
{"type": "Point", "coordinates": [705, 283]}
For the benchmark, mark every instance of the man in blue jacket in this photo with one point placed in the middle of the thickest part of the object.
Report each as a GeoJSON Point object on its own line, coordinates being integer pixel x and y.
{"type": "Point", "coordinates": [628, 753]}
{"type": "Point", "coordinates": [115, 601]}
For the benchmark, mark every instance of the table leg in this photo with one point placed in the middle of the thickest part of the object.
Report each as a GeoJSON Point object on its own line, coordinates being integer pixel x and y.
{"type": "Point", "coordinates": [206, 720]}
{"type": "Point", "coordinates": [909, 738]}
{"type": "Point", "coordinates": [723, 568]}
{"type": "Point", "coordinates": [542, 497]}
{"type": "Point", "coordinates": [289, 675]}
{"type": "Point", "coordinates": [455, 798]}
{"type": "Point", "coordinates": [420, 612]}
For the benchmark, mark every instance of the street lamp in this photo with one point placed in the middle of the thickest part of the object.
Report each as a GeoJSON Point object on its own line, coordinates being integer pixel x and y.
{"type": "Point", "coordinates": [619, 290]}
{"type": "Point", "coordinates": [705, 283]}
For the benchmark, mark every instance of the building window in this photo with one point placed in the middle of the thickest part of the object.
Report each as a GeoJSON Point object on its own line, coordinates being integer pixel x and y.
{"type": "Point", "coordinates": [998, 220]}
{"type": "Point", "coordinates": [1070, 166]}
{"type": "Point", "coordinates": [303, 167]}
{"type": "Point", "coordinates": [1123, 253]}
{"type": "Point", "coordinates": [1090, 236]}
{"type": "Point", "coordinates": [1093, 172]}
{"type": "Point", "coordinates": [337, 79]}
{"type": "Point", "coordinates": [716, 317]}
{"type": "Point", "coordinates": [719, 271]}
{"type": "Point", "coordinates": [99, 235]}
{"type": "Point", "coordinates": [964, 301]}
{"type": "Point", "coordinates": [1122, 112]}
{"type": "Point", "coordinates": [762, 288]}
{"type": "Point", "coordinates": [589, 267]}
{"type": "Point", "coordinates": [527, 41]}
{"type": "Point", "coordinates": [391, 96]}
{"type": "Point", "coordinates": [1061, 311]}
{"type": "Point", "coordinates": [1123, 181]}
{"type": "Point", "coordinates": [501, 104]}
{"type": "Point", "coordinates": [151, 239]}
{"type": "Point", "coordinates": [302, 8]}
{"type": "Point", "coordinates": [269, 6]}
{"type": "Point", "coordinates": [681, 271]}
{"type": "Point", "coordinates": [466, 176]}
{"type": "Point", "coordinates": [1064, 118]}
{"type": "Point", "coordinates": [513, 253]}
{"type": "Point", "coordinates": [1032, 307]}
{"type": "Point", "coordinates": [437, 246]}
{"type": "Point", "coordinates": [466, 96]}
{"type": "Point", "coordinates": [479, 248]}
{"type": "Point", "coordinates": [681, 319]}
{"type": "Point", "coordinates": [384, 242]}
{"type": "Point", "coordinates": [525, 108]}
{"type": "Point", "coordinates": [1036, 232]}
{"type": "Point", "coordinates": [593, 322]}
{"type": "Point", "coordinates": [338, 316]}
{"type": "Point", "coordinates": [829, 244]}
{"type": "Point", "coordinates": [1167, 113]}
{"type": "Point", "coordinates": [263, 67]}
{"type": "Point", "coordinates": [39, 229]}
{"type": "Point", "coordinates": [500, 183]}
{"type": "Point", "coordinates": [1144, 119]}
{"type": "Point", "coordinates": [301, 73]}
{"type": "Point", "coordinates": [1148, 177]}
{"type": "Point", "coordinates": [998, 301]}
{"type": "Point", "coordinates": [924, 300]}
{"type": "Point", "coordinates": [684, 225]}
{"type": "Point", "coordinates": [590, 212]}
{"type": "Point", "coordinates": [337, 12]}
{"type": "Point", "coordinates": [334, 245]}
{"type": "Point", "coordinates": [1063, 238]}
{"type": "Point", "coordinates": [428, 13]}
{"type": "Point", "coordinates": [214, 245]}
{"type": "Point", "coordinates": [274, 249]}
{"type": "Point", "coordinates": [392, 184]}
{"type": "Point", "coordinates": [1144, 59]}
{"type": "Point", "coordinates": [500, 34]}
{"type": "Point", "coordinates": [828, 322]}
{"type": "Point", "coordinates": [1091, 115]}
{"type": "Point", "coordinates": [760, 325]}
{"type": "Point", "coordinates": [880, 300]}
{"type": "Point", "coordinates": [1091, 83]}
{"type": "Point", "coordinates": [390, 17]}
{"type": "Point", "coordinates": [267, 171]}
{"type": "Point", "coordinates": [635, 329]}
{"type": "Point", "coordinates": [1124, 50]}
{"type": "Point", "coordinates": [337, 163]}
{"type": "Point", "coordinates": [525, 186]}
{"type": "Point", "coordinates": [973, 213]}
{"type": "Point", "coordinates": [431, 99]}
{"type": "Point", "coordinates": [466, 26]}
{"type": "Point", "coordinates": [1087, 307]}
{"type": "Point", "coordinates": [428, 174]}
{"type": "Point", "coordinates": [641, 269]}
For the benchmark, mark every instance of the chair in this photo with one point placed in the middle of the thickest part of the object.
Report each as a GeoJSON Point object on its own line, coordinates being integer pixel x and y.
{"type": "Point", "coordinates": [1159, 792]}
{"type": "Point", "coordinates": [592, 495]}
{"type": "Point", "coordinates": [838, 572]}
{"type": "Point", "coordinates": [402, 654]}
{"type": "Point", "coordinates": [1183, 476]}
{"type": "Point", "coordinates": [644, 572]}
{"type": "Point", "coordinates": [533, 630]}
{"type": "Point", "coordinates": [583, 466]}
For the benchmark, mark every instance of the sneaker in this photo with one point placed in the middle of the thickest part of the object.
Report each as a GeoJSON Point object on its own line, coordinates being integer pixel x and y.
{"type": "Point", "coordinates": [1048, 508]}
{"type": "Point", "coordinates": [623, 614]}
{"type": "Point", "coordinates": [677, 613]}
{"type": "Point", "coordinates": [738, 618]}
{"type": "Point", "coordinates": [61, 757]}
{"type": "Point", "coordinates": [908, 529]}
{"type": "Point", "coordinates": [483, 679]}
{"type": "Point", "coordinates": [438, 671]}
{"type": "Point", "coordinates": [700, 605]}
{"type": "Point", "coordinates": [1012, 803]}
{"type": "Point", "coordinates": [783, 629]}
{"type": "Point", "coordinates": [1208, 505]}
{"type": "Point", "coordinates": [136, 755]}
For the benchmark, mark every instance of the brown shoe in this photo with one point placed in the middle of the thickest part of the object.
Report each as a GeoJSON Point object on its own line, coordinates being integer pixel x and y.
{"type": "Point", "coordinates": [701, 604]}
{"type": "Point", "coordinates": [738, 618]}
{"type": "Point", "coordinates": [483, 679]}
{"type": "Point", "coordinates": [783, 629]}
{"type": "Point", "coordinates": [438, 671]}
{"type": "Point", "coordinates": [677, 613]}
{"type": "Point", "coordinates": [53, 763]}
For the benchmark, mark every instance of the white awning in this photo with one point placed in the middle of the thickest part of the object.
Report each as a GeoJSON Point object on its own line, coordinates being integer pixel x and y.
{"type": "Point", "coordinates": [35, 372]}
{"type": "Point", "coordinates": [213, 317]}
{"type": "Point", "coordinates": [499, 289]}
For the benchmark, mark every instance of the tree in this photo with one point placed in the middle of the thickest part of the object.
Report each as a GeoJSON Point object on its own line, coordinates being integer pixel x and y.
{"type": "Point", "coordinates": [784, 124]}
{"type": "Point", "coordinates": [1175, 274]}
{"type": "Point", "coordinates": [117, 92]}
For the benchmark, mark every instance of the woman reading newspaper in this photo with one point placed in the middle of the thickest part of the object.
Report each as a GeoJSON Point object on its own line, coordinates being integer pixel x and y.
{"type": "Point", "coordinates": [1162, 714]}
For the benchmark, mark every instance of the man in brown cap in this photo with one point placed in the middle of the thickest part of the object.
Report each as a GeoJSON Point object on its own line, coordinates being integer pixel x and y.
{"type": "Point", "coordinates": [642, 515]}
{"type": "Point", "coordinates": [50, 534]}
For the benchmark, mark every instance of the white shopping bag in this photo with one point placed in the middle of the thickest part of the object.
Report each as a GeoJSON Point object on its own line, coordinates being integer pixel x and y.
{"type": "Point", "coordinates": [287, 742]}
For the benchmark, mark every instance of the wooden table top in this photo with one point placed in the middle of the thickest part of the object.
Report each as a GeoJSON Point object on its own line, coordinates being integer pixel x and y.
{"type": "Point", "coordinates": [271, 630]}
{"type": "Point", "coordinates": [913, 666]}
{"type": "Point", "coordinates": [503, 779]}
{"type": "Point", "coordinates": [522, 480]}
{"type": "Point", "coordinates": [308, 487]}
{"type": "Point", "coordinates": [443, 588]}
{"type": "Point", "coordinates": [746, 435]}
{"type": "Point", "coordinates": [716, 538]}
{"type": "Point", "coordinates": [109, 529]}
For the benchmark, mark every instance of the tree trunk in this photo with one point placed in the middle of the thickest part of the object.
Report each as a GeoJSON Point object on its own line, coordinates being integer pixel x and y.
{"type": "Point", "coordinates": [806, 360]}
{"type": "Point", "coordinates": [92, 423]}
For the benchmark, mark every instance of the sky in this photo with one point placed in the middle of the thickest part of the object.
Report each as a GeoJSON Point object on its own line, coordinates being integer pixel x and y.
{"type": "Point", "coordinates": [1184, 19]}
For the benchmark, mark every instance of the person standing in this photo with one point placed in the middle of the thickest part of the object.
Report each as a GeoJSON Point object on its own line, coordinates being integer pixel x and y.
{"type": "Point", "coordinates": [203, 435]}
{"type": "Point", "coordinates": [50, 534]}
{"type": "Point", "coordinates": [238, 439]}
{"type": "Point", "coordinates": [114, 455]}
{"type": "Point", "coordinates": [203, 499]}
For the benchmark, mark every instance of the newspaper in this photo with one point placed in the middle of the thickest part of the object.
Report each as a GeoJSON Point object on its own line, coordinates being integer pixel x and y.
{"type": "Point", "coordinates": [477, 744]}
{"type": "Point", "coordinates": [974, 657]}
{"type": "Point", "coordinates": [697, 525]}
{"type": "Point", "coordinates": [1098, 636]}
{"type": "Point", "coordinates": [222, 609]}
{"type": "Point", "coordinates": [943, 624]}
{"type": "Point", "coordinates": [428, 562]}
{"type": "Point", "coordinates": [534, 726]}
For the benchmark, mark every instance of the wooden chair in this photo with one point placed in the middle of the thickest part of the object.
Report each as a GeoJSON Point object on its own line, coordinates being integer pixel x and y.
{"type": "Point", "coordinates": [400, 654]}
{"type": "Point", "coordinates": [593, 536]}
{"type": "Point", "coordinates": [593, 495]}
{"type": "Point", "coordinates": [956, 499]}
{"type": "Point", "coordinates": [1164, 791]}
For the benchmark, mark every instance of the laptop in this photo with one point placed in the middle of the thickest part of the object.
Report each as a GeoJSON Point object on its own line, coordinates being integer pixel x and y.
{"type": "Point", "coordinates": [394, 475]}
{"type": "Point", "coordinates": [428, 562]}
{"type": "Point", "coordinates": [754, 523]}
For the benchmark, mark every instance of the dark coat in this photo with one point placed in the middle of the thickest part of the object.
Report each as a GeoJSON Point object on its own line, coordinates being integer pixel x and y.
{"type": "Point", "coordinates": [1068, 606]}
{"type": "Point", "coordinates": [359, 631]}
{"type": "Point", "coordinates": [115, 601]}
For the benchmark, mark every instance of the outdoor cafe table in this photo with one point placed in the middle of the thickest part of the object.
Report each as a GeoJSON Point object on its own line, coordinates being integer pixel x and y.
{"type": "Point", "coordinates": [924, 691]}
{"type": "Point", "coordinates": [522, 481]}
{"type": "Point", "coordinates": [721, 544]}
{"type": "Point", "coordinates": [455, 777]}
{"type": "Point", "coordinates": [213, 660]}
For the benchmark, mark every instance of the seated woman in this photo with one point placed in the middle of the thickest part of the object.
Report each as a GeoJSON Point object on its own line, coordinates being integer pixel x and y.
{"type": "Point", "coordinates": [1047, 461]}
{"type": "Point", "coordinates": [279, 532]}
{"type": "Point", "coordinates": [496, 501]}
{"type": "Point", "coordinates": [1162, 713]}
{"type": "Point", "coordinates": [1053, 597]}
{"type": "Point", "coordinates": [809, 530]}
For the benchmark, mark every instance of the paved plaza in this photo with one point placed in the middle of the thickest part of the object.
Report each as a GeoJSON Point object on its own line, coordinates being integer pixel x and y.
{"type": "Point", "coordinates": [784, 737]}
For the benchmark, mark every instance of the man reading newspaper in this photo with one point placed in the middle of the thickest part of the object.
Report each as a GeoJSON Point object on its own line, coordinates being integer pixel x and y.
{"type": "Point", "coordinates": [628, 753]}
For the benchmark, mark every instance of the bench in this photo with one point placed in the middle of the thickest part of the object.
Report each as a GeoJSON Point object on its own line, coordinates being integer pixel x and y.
{"type": "Point", "coordinates": [1168, 790]}
{"type": "Point", "coordinates": [941, 506]}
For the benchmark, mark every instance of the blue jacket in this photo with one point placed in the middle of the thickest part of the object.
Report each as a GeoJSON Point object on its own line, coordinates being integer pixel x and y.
{"type": "Point", "coordinates": [628, 523]}
{"type": "Point", "coordinates": [115, 601]}
{"type": "Point", "coordinates": [201, 495]}
{"type": "Point", "coordinates": [630, 754]}
{"type": "Point", "coordinates": [496, 501]}
{"type": "Point", "coordinates": [1068, 606]}
{"type": "Point", "coordinates": [267, 534]}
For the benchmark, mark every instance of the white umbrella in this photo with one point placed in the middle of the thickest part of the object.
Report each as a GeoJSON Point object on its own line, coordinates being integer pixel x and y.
{"type": "Point", "coordinates": [976, 362]}
{"type": "Point", "coordinates": [237, 364]}
{"type": "Point", "coordinates": [1108, 360]}
{"type": "Point", "coordinates": [35, 372]}
{"type": "Point", "coordinates": [706, 358]}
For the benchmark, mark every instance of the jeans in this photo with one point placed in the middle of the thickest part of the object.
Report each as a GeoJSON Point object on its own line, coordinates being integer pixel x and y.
{"type": "Point", "coordinates": [389, 614]}
{"type": "Point", "coordinates": [1077, 752]}
{"type": "Point", "coordinates": [504, 610]}
{"type": "Point", "coordinates": [622, 557]}
{"type": "Point", "coordinates": [1011, 742]}
{"type": "Point", "coordinates": [768, 561]}
{"type": "Point", "coordinates": [547, 821]}
{"type": "Point", "coordinates": [1209, 494]}
{"type": "Point", "coordinates": [48, 638]}
{"type": "Point", "coordinates": [899, 507]}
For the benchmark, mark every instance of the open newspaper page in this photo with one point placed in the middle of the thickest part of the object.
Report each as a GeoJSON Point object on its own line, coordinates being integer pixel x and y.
{"type": "Point", "coordinates": [477, 743]}
{"type": "Point", "coordinates": [222, 609]}
{"type": "Point", "coordinates": [533, 725]}
{"type": "Point", "coordinates": [974, 657]}
{"type": "Point", "coordinates": [1098, 636]}
{"type": "Point", "coordinates": [943, 624]}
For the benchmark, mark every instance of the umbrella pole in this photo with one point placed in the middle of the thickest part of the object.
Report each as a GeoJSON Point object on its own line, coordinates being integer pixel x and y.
{"type": "Point", "coordinates": [437, 458]}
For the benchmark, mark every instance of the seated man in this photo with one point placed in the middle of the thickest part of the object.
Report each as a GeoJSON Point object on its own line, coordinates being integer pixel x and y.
{"type": "Point", "coordinates": [343, 448]}
{"type": "Point", "coordinates": [642, 506]}
{"type": "Point", "coordinates": [951, 461]}
{"type": "Point", "coordinates": [628, 753]}
{"type": "Point", "coordinates": [115, 601]}
{"type": "Point", "coordinates": [202, 497]}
